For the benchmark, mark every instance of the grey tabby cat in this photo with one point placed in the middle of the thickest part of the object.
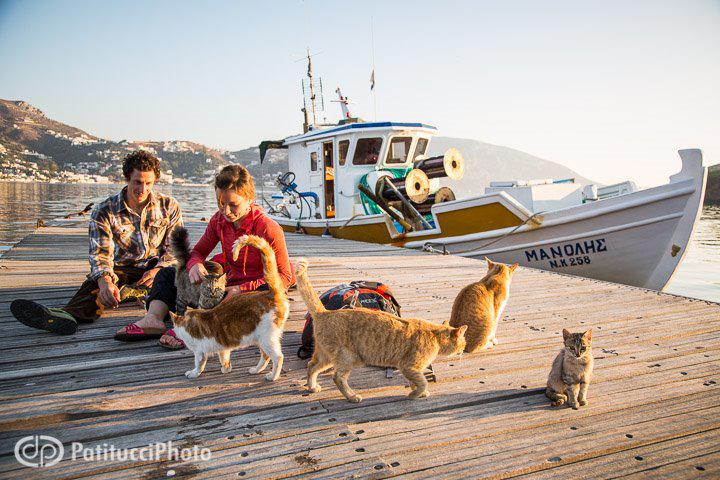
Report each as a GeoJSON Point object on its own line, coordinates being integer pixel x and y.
{"type": "Point", "coordinates": [571, 371]}
{"type": "Point", "coordinates": [205, 295]}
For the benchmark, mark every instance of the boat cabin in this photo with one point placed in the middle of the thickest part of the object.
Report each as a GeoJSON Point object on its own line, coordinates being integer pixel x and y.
{"type": "Point", "coordinates": [329, 163]}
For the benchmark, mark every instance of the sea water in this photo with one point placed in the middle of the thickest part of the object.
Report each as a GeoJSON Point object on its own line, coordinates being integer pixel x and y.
{"type": "Point", "coordinates": [22, 204]}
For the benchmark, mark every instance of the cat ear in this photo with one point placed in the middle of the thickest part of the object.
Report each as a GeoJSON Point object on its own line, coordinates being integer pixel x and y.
{"type": "Point", "coordinates": [588, 335]}
{"type": "Point", "coordinates": [446, 322]}
{"type": "Point", "coordinates": [513, 267]}
{"type": "Point", "coordinates": [566, 334]}
{"type": "Point", "coordinates": [460, 331]}
{"type": "Point", "coordinates": [489, 262]}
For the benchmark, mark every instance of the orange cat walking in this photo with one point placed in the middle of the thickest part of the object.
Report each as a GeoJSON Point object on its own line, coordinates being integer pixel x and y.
{"type": "Point", "coordinates": [480, 305]}
{"type": "Point", "coordinates": [350, 338]}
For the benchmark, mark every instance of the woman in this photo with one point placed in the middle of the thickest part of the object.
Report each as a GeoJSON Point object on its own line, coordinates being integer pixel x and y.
{"type": "Point", "coordinates": [237, 215]}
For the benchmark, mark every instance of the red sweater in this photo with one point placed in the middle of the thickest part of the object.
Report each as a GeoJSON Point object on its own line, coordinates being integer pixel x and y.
{"type": "Point", "coordinates": [247, 272]}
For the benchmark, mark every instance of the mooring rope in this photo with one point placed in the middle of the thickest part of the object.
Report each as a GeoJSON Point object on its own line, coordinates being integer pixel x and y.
{"type": "Point", "coordinates": [429, 246]}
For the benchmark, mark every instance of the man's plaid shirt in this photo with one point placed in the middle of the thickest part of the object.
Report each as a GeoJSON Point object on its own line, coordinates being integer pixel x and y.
{"type": "Point", "coordinates": [119, 236]}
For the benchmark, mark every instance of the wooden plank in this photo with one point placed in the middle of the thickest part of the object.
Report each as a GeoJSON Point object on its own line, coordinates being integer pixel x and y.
{"type": "Point", "coordinates": [657, 372]}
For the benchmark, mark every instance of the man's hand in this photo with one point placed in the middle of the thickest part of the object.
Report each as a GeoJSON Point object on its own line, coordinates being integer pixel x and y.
{"type": "Point", "coordinates": [197, 273]}
{"type": "Point", "coordinates": [109, 294]}
{"type": "Point", "coordinates": [231, 291]}
{"type": "Point", "coordinates": [148, 277]}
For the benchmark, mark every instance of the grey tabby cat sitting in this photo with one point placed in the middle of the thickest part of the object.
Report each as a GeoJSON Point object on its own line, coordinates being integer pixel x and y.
{"type": "Point", "coordinates": [571, 371]}
{"type": "Point", "coordinates": [206, 294]}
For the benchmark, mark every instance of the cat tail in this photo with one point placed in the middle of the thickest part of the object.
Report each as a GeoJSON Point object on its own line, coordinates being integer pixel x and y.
{"type": "Point", "coordinates": [270, 268]}
{"type": "Point", "coordinates": [307, 292]}
{"type": "Point", "coordinates": [180, 244]}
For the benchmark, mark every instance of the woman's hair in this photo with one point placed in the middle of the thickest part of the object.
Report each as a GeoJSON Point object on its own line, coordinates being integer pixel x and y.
{"type": "Point", "coordinates": [236, 177]}
{"type": "Point", "coordinates": [142, 161]}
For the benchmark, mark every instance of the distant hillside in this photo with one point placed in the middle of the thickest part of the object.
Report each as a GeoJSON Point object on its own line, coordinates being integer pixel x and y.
{"type": "Point", "coordinates": [712, 190]}
{"type": "Point", "coordinates": [486, 162]}
{"type": "Point", "coordinates": [51, 146]}
{"type": "Point", "coordinates": [26, 133]}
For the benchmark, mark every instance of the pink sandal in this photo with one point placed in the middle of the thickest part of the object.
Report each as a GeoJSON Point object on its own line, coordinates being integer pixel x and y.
{"type": "Point", "coordinates": [171, 333]}
{"type": "Point", "coordinates": [134, 333]}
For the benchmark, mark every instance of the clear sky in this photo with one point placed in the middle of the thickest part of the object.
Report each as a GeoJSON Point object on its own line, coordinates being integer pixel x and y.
{"type": "Point", "coordinates": [611, 88]}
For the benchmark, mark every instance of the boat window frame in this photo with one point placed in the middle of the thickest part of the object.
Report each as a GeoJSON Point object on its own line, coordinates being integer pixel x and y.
{"type": "Point", "coordinates": [343, 162]}
{"type": "Point", "coordinates": [382, 139]}
{"type": "Point", "coordinates": [410, 148]}
{"type": "Point", "coordinates": [417, 143]}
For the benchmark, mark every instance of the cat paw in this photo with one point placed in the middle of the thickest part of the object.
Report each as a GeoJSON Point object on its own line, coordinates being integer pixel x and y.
{"type": "Point", "coordinates": [574, 406]}
{"type": "Point", "coordinates": [227, 369]}
{"type": "Point", "coordinates": [582, 402]}
{"type": "Point", "coordinates": [313, 389]}
{"type": "Point", "coordinates": [494, 341]}
{"type": "Point", "coordinates": [270, 377]}
{"type": "Point", "coordinates": [354, 399]}
{"type": "Point", "coordinates": [192, 374]}
{"type": "Point", "coordinates": [415, 394]}
{"type": "Point", "coordinates": [558, 403]}
{"type": "Point", "coordinates": [255, 370]}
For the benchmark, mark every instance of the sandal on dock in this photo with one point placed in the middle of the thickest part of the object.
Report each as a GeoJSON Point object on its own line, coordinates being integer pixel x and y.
{"type": "Point", "coordinates": [171, 333]}
{"type": "Point", "coordinates": [134, 333]}
{"type": "Point", "coordinates": [34, 315]}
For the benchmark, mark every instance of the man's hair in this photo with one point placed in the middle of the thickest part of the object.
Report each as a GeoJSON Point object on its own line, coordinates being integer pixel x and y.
{"type": "Point", "coordinates": [236, 177]}
{"type": "Point", "coordinates": [142, 161]}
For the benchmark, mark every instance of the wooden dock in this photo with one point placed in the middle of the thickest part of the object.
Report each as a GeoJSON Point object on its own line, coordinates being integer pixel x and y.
{"type": "Point", "coordinates": [654, 405]}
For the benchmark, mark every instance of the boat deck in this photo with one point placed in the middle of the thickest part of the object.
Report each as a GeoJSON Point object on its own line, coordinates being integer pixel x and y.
{"type": "Point", "coordinates": [654, 404]}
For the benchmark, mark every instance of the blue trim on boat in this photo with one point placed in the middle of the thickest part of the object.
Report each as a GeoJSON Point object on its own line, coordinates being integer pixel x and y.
{"type": "Point", "coordinates": [355, 126]}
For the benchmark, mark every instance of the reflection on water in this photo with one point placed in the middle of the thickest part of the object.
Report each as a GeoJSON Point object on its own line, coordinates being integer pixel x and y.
{"type": "Point", "coordinates": [22, 204]}
{"type": "Point", "coordinates": [699, 274]}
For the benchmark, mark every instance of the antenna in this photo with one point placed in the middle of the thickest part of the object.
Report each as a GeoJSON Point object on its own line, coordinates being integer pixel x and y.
{"type": "Point", "coordinates": [304, 109]}
{"type": "Point", "coordinates": [308, 92]}
{"type": "Point", "coordinates": [322, 97]}
{"type": "Point", "coordinates": [372, 76]}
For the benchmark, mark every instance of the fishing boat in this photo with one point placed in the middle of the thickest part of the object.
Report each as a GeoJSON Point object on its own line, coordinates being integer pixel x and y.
{"type": "Point", "coordinates": [373, 182]}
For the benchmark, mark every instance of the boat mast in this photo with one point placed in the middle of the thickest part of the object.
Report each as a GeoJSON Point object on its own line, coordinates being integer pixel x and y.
{"type": "Point", "coordinates": [312, 88]}
{"type": "Point", "coordinates": [343, 101]}
{"type": "Point", "coordinates": [304, 109]}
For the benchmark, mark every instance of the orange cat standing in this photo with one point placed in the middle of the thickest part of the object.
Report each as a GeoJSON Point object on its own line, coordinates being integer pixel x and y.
{"type": "Point", "coordinates": [480, 306]}
{"type": "Point", "coordinates": [349, 338]}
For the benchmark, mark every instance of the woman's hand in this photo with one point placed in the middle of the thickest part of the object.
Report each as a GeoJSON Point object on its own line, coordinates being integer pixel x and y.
{"type": "Point", "coordinates": [148, 277]}
{"type": "Point", "coordinates": [197, 273]}
{"type": "Point", "coordinates": [231, 291]}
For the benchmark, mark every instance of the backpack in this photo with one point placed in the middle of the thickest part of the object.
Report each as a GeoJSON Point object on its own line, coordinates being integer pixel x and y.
{"type": "Point", "coordinates": [373, 295]}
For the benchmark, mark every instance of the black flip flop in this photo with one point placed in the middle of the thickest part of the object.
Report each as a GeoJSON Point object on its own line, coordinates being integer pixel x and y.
{"type": "Point", "coordinates": [35, 315]}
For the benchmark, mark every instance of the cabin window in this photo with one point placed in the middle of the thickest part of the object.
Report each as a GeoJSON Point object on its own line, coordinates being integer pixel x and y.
{"type": "Point", "coordinates": [420, 148]}
{"type": "Point", "coordinates": [367, 151]}
{"type": "Point", "coordinates": [398, 150]}
{"type": "Point", "coordinates": [343, 147]}
{"type": "Point", "coordinates": [313, 161]}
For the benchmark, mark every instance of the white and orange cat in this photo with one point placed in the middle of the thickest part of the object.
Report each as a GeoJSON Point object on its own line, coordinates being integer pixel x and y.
{"type": "Point", "coordinates": [254, 318]}
{"type": "Point", "coordinates": [480, 306]}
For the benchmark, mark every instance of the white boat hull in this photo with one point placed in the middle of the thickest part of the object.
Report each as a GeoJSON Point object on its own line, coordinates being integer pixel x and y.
{"type": "Point", "coordinates": [636, 239]}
